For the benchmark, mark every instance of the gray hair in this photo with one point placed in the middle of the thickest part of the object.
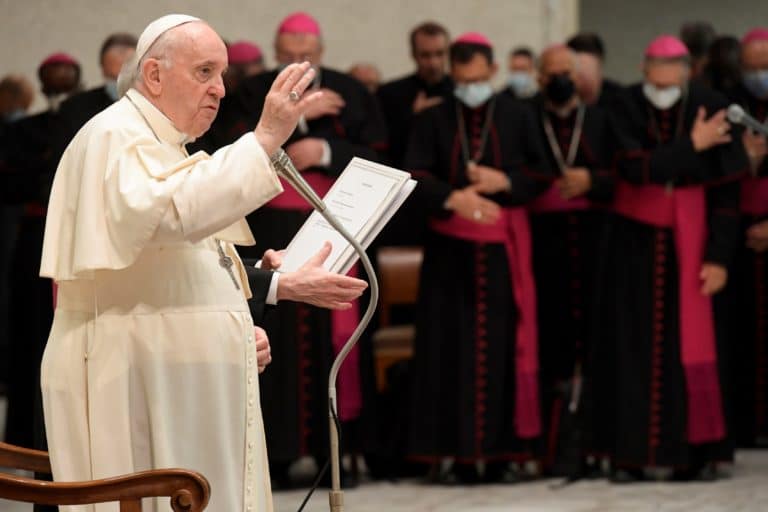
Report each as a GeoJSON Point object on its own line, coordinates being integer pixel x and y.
{"type": "Point", "coordinates": [161, 49]}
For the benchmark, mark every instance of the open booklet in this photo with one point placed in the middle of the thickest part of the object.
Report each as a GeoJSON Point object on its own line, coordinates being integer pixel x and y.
{"type": "Point", "coordinates": [364, 198]}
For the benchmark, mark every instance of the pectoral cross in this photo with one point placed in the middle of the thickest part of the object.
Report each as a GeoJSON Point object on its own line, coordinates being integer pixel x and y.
{"type": "Point", "coordinates": [226, 263]}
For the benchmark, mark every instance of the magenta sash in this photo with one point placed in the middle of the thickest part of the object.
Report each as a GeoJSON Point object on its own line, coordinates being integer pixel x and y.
{"type": "Point", "coordinates": [552, 201]}
{"type": "Point", "coordinates": [754, 196]}
{"type": "Point", "coordinates": [685, 211]}
{"type": "Point", "coordinates": [513, 231]}
{"type": "Point", "coordinates": [343, 323]}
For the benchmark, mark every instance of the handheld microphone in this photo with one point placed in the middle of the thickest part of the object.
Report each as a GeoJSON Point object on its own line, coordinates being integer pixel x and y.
{"type": "Point", "coordinates": [286, 170]}
{"type": "Point", "coordinates": [737, 115]}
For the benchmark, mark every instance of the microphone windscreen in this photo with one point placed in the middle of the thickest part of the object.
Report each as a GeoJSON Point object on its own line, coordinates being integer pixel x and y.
{"type": "Point", "coordinates": [735, 114]}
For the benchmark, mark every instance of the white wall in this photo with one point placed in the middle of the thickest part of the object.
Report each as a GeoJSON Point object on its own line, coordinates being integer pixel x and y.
{"type": "Point", "coordinates": [355, 30]}
{"type": "Point", "coordinates": [628, 27]}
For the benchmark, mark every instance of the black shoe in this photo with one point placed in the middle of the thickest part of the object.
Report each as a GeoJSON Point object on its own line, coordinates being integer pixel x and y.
{"type": "Point", "coordinates": [278, 474]}
{"type": "Point", "coordinates": [501, 473]}
{"type": "Point", "coordinates": [700, 473]}
{"type": "Point", "coordinates": [627, 476]}
{"type": "Point", "coordinates": [459, 474]}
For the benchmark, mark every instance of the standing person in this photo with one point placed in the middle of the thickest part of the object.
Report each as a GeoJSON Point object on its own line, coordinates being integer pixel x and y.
{"type": "Point", "coordinates": [521, 80]}
{"type": "Point", "coordinates": [697, 37]}
{"type": "Point", "coordinates": [77, 110]}
{"type": "Point", "coordinates": [750, 339]}
{"type": "Point", "coordinates": [344, 123]}
{"type": "Point", "coordinates": [245, 59]}
{"type": "Point", "coordinates": [593, 87]}
{"type": "Point", "coordinates": [475, 389]}
{"type": "Point", "coordinates": [670, 247]}
{"type": "Point", "coordinates": [723, 69]}
{"type": "Point", "coordinates": [567, 224]}
{"type": "Point", "coordinates": [16, 95]}
{"type": "Point", "coordinates": [31, 165]}
{"type": "Point", "coordinates": [402, 99]}
{"type": "Point", "coordinates": [152, 359]}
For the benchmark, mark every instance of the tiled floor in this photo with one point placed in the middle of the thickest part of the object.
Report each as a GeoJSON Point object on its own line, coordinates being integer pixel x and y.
{"type": "Point", "coordinates": [747, 491]}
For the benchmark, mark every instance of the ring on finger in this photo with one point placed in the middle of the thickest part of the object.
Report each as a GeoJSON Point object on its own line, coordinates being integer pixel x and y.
{"type": "Point", "coordinates": [294, 96]}
{"type": "Point", "coordinates": [722, 129]}
{"type": "Point", "coordinates": [477, 214]}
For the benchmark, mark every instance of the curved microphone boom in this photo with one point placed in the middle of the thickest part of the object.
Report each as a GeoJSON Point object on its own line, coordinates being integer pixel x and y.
{"type": "Point", "coordinates": [285, 169]}
{"type": "Point", "coordinates": [737, 115]}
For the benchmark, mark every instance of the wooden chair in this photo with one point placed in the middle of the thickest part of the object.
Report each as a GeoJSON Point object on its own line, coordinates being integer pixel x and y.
{"type": "Point", "coordinates": [398, 271]}
{"type": "Point", "coordinates": [188, 491]}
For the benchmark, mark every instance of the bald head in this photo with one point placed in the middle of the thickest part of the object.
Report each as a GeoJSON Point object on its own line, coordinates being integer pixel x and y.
{"type": "Point", "coordinates": [181, 74]}
{"type": "Point", "coordinates": [556, 60]}
{"type": "Point", "coordinates": [754, 55]}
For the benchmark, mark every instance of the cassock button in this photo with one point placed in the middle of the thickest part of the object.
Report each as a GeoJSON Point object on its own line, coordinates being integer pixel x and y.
{"type": "Point", "coordinates": [250, 380]}
{"type": "Point", "coordinates": [250, 361]}
{"type": "Point", "coordinates": [250, 403]}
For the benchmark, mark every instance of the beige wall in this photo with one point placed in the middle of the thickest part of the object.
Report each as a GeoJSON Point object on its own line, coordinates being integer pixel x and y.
{"type": "Point", "coordinates": [355, 30]}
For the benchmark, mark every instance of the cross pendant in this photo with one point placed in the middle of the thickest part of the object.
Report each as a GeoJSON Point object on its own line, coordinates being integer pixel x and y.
{"type": "Point", "coordinates": [226, 263]}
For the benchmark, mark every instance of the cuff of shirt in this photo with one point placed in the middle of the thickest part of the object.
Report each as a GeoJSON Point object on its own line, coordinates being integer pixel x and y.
{"type": "Point", "coordinates": [325, 161]}
{"type": "Point", "coordinates": [272, 293]}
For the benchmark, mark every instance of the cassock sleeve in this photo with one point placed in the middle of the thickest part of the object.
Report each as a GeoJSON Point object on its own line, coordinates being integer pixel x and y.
{"type": "Point", "coordinates": [421, 160]}
{"type": "Point", "coordinates": [724, 222]}
{"type": "Point", "coordinates": [259, 281]}
{"type": "Point", "coordinates": [529, 171]}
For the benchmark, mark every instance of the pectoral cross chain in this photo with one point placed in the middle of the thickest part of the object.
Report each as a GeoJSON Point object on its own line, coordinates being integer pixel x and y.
{"type": "Point", "coordinates": [226, 263]}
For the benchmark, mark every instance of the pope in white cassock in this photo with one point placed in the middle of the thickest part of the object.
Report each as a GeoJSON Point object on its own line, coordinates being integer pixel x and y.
{"type": "Point", "coordinates": [152, 359]}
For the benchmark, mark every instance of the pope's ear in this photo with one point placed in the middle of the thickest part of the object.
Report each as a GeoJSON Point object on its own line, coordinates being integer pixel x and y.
{"type": "Point", "coordinates": [150, 72]}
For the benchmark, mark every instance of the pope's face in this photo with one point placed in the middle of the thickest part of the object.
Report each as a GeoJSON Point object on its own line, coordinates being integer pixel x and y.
{"type": "Point", "coordinates": [192, 87]}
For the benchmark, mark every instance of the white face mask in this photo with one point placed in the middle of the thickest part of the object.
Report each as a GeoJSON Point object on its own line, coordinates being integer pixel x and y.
{"type": "Point", "coordinates": [475, 94]}
{"type": "Point", "coordinates": [110, 87]}
{"type": "Point", "coordinates": [522, 83]}
{"type": "Point", "coordinates": [662, 98]}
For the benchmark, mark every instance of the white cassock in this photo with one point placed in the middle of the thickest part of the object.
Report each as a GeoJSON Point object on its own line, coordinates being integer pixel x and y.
{"type": "Point", "coordinates": [151, 362]}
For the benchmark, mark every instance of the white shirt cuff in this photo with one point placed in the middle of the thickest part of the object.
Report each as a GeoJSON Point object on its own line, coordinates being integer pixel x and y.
{"type": "Point", "coordinates": [325, 161]}
{"type": "Point", "coordinates": [272, 293]}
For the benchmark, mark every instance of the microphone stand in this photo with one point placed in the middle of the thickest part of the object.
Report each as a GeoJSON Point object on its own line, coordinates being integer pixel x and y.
{"type": "Point", "coordinates": [285, 169]}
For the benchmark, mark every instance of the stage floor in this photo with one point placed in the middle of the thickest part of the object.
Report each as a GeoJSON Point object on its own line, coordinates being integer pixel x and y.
{"type": "Point", "coordinates": [746, 491]}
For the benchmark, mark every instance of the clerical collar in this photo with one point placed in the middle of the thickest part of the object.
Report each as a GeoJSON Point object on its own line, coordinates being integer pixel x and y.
{"type": "Point", "coordinates": [160, 125]}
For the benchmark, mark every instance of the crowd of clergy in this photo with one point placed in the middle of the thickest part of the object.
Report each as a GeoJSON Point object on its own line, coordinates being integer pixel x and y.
{"type": "Point", "coordinates": [593, 297]}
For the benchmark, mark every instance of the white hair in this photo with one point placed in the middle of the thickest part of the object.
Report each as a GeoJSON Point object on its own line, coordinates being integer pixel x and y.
{"type": "Point", "coordinates": [162, 49]}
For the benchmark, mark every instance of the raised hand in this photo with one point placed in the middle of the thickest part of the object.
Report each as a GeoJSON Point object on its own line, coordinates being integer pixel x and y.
{"type": "Point", "coordinates": [284, 105]}
{"type": "Point", "coordinates": [708, 133]}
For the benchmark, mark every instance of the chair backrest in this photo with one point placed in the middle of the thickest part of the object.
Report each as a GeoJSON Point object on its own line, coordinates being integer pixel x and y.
{"type": "Point", "coordinates": [398, 270]}
{"type": "Point", "coordinates": [188, 491]}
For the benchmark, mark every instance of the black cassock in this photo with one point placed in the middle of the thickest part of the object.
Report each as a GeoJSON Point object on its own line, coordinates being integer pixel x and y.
{"type": "Point", "coordinates": [294, 387]}
{"type": "Point", "coordinates": [640, 381]}
{"type": "Point", "coordinates": [31, 166]}
{"type": "Point", "coordinates": [749, 293]}
{"type": "Point", "coordinates": [75, 112]}
{"type": "Point", "coordinates": [463, 371]}
{"type": "Point", "coordinates": [396, 100]}
{"type": "Point", "coordinates": [566, 250]}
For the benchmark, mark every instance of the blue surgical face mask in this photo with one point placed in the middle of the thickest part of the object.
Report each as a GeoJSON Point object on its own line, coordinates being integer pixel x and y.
{"type": "Point", "coordinates": [756, 82]}
{"type": "Point", "coordinates": [110, 87]}
{"type": "Point", "coordinates": [521, 83]}
{"type": "Point", "coordinates": [14, 115]}
{"type": "Point", "coordinates": [475, 94]}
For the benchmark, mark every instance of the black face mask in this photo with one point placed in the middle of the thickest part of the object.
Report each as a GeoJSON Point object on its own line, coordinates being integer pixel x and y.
{"type": "Point", "coordinates": [560, 89]}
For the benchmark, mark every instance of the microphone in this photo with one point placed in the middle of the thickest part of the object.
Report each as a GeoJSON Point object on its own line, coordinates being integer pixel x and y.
{"type": "Point", "coordinates": [737, 115]}
{"type": "Point", "coordinates": [286, 170]}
